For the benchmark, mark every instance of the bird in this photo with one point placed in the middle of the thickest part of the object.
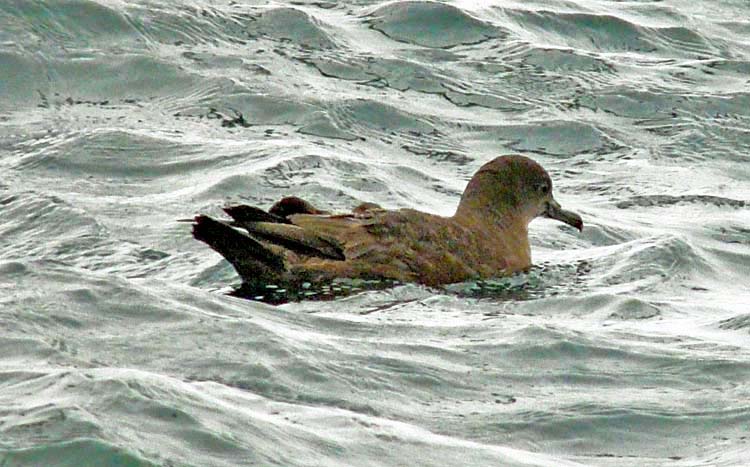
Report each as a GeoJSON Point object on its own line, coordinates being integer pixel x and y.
{"type": "Point", "coordinates": [294, 243]}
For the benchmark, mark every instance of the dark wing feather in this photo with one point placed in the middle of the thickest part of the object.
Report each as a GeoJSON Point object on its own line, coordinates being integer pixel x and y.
{"type": "Point", "coordinates": [248, 256]}
{"type": "Point", "coordinates": [297, 239]}
{"type": "Point", "coordinates": [243, 213]}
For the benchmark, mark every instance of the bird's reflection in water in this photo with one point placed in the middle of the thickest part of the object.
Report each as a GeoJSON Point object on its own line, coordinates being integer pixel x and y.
{"type": "Point", "coordinates": [540, 281]}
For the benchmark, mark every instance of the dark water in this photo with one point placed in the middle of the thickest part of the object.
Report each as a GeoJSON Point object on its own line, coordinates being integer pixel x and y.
{"type": "Point", "coordinates": [628, 344]}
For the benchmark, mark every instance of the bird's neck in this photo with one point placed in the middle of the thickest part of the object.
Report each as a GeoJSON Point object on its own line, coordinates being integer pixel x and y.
{"type": "Point", "coordinates": [491, 216]}
{"type": "Point", "coordinates": [507, 231]}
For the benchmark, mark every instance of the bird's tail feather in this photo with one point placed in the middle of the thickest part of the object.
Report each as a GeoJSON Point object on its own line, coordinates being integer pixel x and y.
{"type": "Point", "coordinates": [250, 258]}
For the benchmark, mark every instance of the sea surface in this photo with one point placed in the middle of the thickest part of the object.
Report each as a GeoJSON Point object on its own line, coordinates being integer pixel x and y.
{"type": "Point", "coordinates": [626, 345]}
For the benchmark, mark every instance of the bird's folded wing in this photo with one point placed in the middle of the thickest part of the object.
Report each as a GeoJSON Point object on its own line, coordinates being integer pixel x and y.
{"type": "Point", "coordinates": [297, 239]}
{"type": "Point", "coordinates": [243, 213]}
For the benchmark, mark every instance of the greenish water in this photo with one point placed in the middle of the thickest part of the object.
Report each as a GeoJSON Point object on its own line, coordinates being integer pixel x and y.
{"type": "Point", "coordinates": [627, 344]}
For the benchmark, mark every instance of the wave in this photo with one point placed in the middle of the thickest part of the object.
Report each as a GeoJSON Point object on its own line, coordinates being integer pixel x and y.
{"type": "Point", "coordinates": [624, 344]}
{"type": "Point", "coordinates": [431, 24]}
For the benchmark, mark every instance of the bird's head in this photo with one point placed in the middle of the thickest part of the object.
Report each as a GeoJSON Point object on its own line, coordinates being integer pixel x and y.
{"type": "Point", "coordinates": [513, 189]}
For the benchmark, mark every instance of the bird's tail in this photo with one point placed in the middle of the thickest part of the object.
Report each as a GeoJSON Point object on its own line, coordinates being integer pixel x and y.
{"type": "Point", "coordinates": [252, 261]}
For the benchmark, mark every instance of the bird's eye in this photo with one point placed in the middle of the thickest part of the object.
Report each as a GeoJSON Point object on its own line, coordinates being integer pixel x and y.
{"type": "Point", "coordinates": [543, 188]}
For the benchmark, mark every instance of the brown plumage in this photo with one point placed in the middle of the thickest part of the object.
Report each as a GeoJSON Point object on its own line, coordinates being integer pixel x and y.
{"type": "Point", "coordinates": [486, 237]}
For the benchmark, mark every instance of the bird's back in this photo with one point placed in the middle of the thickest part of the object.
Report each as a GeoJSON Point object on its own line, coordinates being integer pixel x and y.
{"type": "Point", "coordinates": [404, 245]}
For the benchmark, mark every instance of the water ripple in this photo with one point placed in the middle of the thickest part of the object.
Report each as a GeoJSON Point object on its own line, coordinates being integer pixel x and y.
{"type": "Point", "coordinates": [431, 24]}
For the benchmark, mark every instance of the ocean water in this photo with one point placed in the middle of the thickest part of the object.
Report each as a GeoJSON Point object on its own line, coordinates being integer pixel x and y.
{"type": "Point", "coordinates": [626, 345]}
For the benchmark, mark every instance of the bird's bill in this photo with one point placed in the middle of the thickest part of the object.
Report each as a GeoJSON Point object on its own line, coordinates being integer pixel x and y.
{"type": "Point", "coordinates": [554, 211]}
